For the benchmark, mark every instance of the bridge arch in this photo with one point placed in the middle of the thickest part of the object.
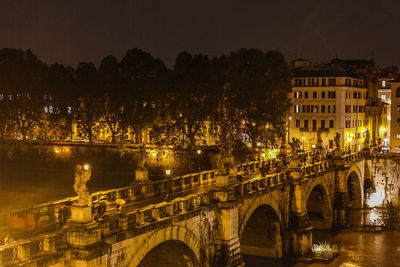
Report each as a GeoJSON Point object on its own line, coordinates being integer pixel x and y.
{"type": "Point", "coordinates": [319, 206]}
{"type": "Point", "coordinates": [171, 253]}
{"type": "Point", "coordinates": [355, 188]}
{"type": "Point", "coordinates": [267, 199]}
{"type": "Point", "coordinates": [174, 238]}
{"type": "Point", "coordinates": [260, 233]}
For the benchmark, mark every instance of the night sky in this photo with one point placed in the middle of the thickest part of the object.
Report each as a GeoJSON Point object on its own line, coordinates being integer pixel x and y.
{"type": "Point", "coordinates": [87, 30]}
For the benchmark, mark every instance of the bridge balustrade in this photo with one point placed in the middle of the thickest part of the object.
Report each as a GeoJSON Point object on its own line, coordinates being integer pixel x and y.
{"type": "Point", "coordinates": [23, 250]}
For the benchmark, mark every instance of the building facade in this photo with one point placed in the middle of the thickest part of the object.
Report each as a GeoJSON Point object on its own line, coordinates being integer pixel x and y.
{"type": "Point", "coordinates": [339, 97]}
{"type": "Point", "coordinates": [395, 116]}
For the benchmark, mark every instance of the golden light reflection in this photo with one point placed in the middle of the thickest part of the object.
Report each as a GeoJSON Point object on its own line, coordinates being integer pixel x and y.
{"type": "Point", "coordinates": [376, 199]}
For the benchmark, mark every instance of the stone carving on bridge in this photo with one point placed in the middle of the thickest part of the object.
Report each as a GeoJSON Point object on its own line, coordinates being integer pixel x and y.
{"type": "Point", "coordinates": [366, 147]}
{"type": "Point", "coordinates": [319, 140]}
{"type": "Point", "coordinates": [367, 136]}
{"type": "Point", "coordinates": [220, 161]}
{"type": "Point", "coordinates": [142, 159]}
{"type": "Point", "coordinates": [82, 176]}
{"type": "Point", "coordinates": [294, 145]}
{"type": "Point", "coordinates": [337, 141]}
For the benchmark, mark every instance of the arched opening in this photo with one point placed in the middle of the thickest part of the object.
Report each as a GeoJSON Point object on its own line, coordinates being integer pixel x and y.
{"type": "Point", "coordinates": [398, 92]}
{"type": "Point", "coordinates": [354, 189]}
{"type": "Point", "coordinates": [170, 253]}
{"type": "Point", "coordinates": [318, 208]}
{"type": "Point", "coordinates": [262, 234]}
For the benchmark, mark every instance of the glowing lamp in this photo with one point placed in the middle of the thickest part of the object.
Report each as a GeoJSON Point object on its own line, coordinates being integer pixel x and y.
{"type": "Point", "coordinates": [57, 151]}
{"type": "Point", "coordinates": [168, 172]}
{"type": "Point", "coordinates": [304, 138]}
{"type": "Point", "coordinates": [86, 167]}
{"type": "Point", "coordinates": [313, 146]}
{"type": "Point", "coordinates": [198, 151]}
{"type": "Point", "coordinates": [263, 155]}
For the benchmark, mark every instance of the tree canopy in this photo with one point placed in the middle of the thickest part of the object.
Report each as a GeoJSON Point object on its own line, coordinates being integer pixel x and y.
{"type": "Point", "coordinates": [237, 98]}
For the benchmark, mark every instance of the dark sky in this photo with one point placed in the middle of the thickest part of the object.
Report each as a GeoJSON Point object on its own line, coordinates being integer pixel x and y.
{"type": "Point", "coordinates": [71, 31]}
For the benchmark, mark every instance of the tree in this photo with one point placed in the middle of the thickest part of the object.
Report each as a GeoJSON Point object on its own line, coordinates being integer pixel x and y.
{"type": "Point", "coordinates": [142, 74]}
{"type": "Point", "coordinates": [23, 76]}
{"type": "Point", "coordinates": [5, 118]}
{"type": "Point", "coordinates": [258, 84]}
{"type": "Point", "coordinates": [56, 118]}
{"type": "Point", "coordinates": [113, 98]}
{"type": "Point", "coordinates": [193, 102]}
{"type": "Point", "coordinates": [391, 217]}
{"type": "Point", "coordinates": [87, 108]}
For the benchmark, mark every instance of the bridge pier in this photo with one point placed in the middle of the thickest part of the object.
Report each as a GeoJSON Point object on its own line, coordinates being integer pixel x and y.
{"type": "Point", "coordinates": [84, 237]}
{"type": "Point", "coordinates": [341, 196]}
{"type": "Point", "coordinates": [227, 249]}
{"type": "Point", "coordinates": [300, 228]}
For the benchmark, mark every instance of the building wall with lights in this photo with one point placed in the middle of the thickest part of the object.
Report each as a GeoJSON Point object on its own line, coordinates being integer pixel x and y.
{"type": "Point", "coordinates": [331, 104]}
{"type": "Point", "coordinates": [395, 116]}
{"type": "Point", "coordinates": [385, 93]}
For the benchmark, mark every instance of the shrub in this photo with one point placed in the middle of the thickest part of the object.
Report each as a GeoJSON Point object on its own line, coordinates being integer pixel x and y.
{"type": "Point", "coordinates": [324, 249]}
{"type": "Point", "coordinates": [391, 217]}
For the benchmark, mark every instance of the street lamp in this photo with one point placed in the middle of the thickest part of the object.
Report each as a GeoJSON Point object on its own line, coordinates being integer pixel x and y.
{"type": "Point", "coordinates": [168, 172]}
{"type": "Point", "coordinates": [304, 138]}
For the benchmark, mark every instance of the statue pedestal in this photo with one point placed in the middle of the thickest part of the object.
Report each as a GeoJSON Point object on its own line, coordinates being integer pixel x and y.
{"type": "Point", "coordinates": [81, 214]}
{"type": "Point", "coordinates": [143, 183]}
{"type": "Point", "coordinates": [282, 151]}
{"type": "Point", "coordinates": [366, 147]}
{"type": "Point", "coordinates": [141, 175]}
{"type": "Point", "coordinates": [294, 162]}
{"type": "Point", "coordinates": [337, 154]}
{"type": "Point", "coordinates": [84, 237]}
{"type": "Point", "coordinates": [319, 144]}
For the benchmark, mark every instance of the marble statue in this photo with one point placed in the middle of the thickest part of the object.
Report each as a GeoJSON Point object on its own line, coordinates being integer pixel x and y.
{"type": "Point", "coordinates": [82, 176]}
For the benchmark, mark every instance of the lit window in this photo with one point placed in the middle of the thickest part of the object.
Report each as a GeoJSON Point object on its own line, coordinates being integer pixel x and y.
{"type": "Point", "coordinates": [383, 83]}
{"type": "Point", "coordinates": [398, 136]}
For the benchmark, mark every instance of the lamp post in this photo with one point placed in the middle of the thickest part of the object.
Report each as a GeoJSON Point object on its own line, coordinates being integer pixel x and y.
{"type": "Point", "coordinates": [304, 138]}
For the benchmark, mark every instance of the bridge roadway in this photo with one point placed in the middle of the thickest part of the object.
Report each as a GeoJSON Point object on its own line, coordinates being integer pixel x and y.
{"type": "Point", "coordinates": [147, 206]}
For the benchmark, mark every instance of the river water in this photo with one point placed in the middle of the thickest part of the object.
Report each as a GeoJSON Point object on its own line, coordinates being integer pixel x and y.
{"type": "Point", "coordinates": [357, 249]}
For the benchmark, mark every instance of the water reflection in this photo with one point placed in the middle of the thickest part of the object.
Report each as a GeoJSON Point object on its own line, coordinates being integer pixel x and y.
{"type": "Point", "coordinates": [357, 249]}
{"type": "Point", "coordinates": [364, 217]}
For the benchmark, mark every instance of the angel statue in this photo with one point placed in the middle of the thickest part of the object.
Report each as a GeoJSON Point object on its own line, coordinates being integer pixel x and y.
{"type": "Point", "coordinates": [82, 176]}
{"type": "Point", "coordinates": [367, 136]}
{"type": "Point", "coordinates": [294, 145]}
{"type": "Point", "coordinates": [142, 159]}
{"type": "Point", "coordinates": [337, 141]}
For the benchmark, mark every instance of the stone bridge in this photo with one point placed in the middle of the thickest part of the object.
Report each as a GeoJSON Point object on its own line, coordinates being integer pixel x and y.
{"type": "Point", "coordinates": [203, 219]}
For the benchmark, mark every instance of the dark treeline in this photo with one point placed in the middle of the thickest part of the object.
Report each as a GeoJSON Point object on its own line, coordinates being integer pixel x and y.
{"type": "Point", "coordinates": [240, 97]}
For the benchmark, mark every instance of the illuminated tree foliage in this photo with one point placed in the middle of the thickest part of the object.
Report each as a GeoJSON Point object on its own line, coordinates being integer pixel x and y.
{"type": "Point", "coordinates": [227, 101]}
